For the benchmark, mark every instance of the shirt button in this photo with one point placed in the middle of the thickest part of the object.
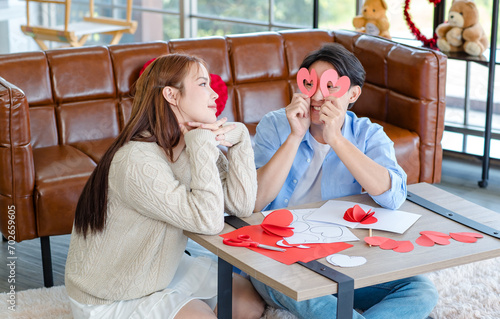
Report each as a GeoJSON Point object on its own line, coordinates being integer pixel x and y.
{"type": "Point", "coordinates": [295, 181]}
{"type": "Point", "coordinates": [308, 160]}
{"type": "Point", "coordinates": [286, 200]}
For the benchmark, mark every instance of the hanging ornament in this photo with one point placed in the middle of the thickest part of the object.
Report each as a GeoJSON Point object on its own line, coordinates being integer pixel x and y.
{"type": "Point", "coordinates": [429, 43]}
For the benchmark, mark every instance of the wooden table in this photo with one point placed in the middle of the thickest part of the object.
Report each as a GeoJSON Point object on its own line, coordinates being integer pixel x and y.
{"type": "Point", "coordinates": [300, 283]}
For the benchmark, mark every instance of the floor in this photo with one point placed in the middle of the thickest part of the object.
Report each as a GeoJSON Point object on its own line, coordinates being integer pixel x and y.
{"type": "Point", "coordinates": [459, 176]}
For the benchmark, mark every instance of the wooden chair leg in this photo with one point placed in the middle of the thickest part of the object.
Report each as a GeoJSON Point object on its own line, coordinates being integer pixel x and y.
{"type": "Point", "coordinates": [48, 279]}
{"type": "Point", "coordinates": [41, 44]}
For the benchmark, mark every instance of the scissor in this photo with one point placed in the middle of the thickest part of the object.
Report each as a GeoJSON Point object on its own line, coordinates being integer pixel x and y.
{"type": "Point", "coordinates": [246, 241]}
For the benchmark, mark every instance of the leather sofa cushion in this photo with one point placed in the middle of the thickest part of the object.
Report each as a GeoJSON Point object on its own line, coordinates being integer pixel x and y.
{"type": "Point", "coordinates": [407, 145]}
{"type": "Point", "coordinates": [95, 148]}
{"type": "Point", "coordinates": [60, 174]}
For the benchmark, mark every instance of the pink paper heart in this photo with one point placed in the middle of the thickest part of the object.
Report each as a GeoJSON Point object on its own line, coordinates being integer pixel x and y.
{"type": "Point", "coordinates": [429, 237]}
{"type": "Point", "coordinates": [375, 240]}
{"type": "Point", "coordinates": [304, 76]}
{"type": "Point", "coordinates": [466, 237]}
{"type": "Point", "coordinates": [389, 244]}
{"type": "Point", "coordinates": [332, 76]}
{"type": "Point", "coordinates": [404, 246]}
{"type": "Point", "coordinates": [278, 223]}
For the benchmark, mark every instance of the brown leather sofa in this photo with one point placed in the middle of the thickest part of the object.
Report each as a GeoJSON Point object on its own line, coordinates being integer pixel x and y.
{"type": "Point", "coordinates": [60, 109]}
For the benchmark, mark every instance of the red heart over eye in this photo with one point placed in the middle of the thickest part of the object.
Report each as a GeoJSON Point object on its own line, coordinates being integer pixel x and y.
{"type": "Point", "coordinates": [304, 76]}
{"type": "Point", "coordinates": [278, 223]}
{"type": "Point", "coordinates": [332, 76]}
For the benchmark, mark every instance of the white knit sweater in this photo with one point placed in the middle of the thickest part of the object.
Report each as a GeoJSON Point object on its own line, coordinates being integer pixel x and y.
{"type": "Point", "coordinates": [150, 202]}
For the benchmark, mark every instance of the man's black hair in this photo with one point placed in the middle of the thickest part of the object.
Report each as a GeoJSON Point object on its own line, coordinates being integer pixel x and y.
{"type": "Point", "coordinates": [343, 60]}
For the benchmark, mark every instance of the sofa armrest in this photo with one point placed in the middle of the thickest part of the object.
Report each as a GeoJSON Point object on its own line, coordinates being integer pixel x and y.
{"type": "Point", "coordinates": [16, 165]}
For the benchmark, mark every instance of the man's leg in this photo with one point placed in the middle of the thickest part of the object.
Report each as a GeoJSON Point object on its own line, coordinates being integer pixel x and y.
{"type": "Point", "coordinates": [322, 307]}
{"type": "Point", "coordinates": [409, 298]}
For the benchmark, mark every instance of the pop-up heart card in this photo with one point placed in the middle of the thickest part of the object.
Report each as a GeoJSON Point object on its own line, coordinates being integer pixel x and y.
{"type": "Point", "coordinates": [357, 214]}
{"type": "Point", "coordinates": [278, 223]}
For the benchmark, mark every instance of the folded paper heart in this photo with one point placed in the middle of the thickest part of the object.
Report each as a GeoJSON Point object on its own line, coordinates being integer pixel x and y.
{"type": "Point", "coordinates": [356, 214]}
{"type": "Point", "coordinates": [278, 223]}
{"type": "Point", "coordinates": [466, 237]}
{"type": "Point", "coordinates": [342, 260]}
{"type": "Point", "coordinates": [400, 246]}
{"type": "Point", "coordinates": [428, 238]}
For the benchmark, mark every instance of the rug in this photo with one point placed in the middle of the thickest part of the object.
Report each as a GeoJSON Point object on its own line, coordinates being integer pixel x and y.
{"type": "Point", "coordinates": [466, 292]}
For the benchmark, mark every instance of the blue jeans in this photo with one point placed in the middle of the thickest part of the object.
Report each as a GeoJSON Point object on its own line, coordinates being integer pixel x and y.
{"type": "Point", "coordinates": [410, 298]}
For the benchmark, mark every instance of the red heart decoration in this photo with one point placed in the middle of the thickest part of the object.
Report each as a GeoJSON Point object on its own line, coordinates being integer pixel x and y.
{"type": "Point", "coordinates": [429, 238]}
{"type": "Point", "coordinates": [278, 223]}
{"type": "Point", "coordinates": [466, 237]}
{"type": "Point", "coordinates": [403, 246]}
{"type": "Point", "coordinates": [332, 76]}
{"type": "Point", "coordinates": [430, 43]}
{"type": "Point", "coordinates": [389, 244]}
{"type": "Point", "coordinates": [304, 76]}
{"type": "Point", "coordinates": [356, 214]}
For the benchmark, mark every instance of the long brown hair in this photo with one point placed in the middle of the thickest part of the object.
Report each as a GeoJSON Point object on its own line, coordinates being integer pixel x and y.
{"type": "Point", "coordinates": [151, 114]}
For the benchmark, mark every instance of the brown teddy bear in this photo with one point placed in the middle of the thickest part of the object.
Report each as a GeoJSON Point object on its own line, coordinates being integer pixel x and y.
{"type": "Point", "coordinates": [373, 19]}
{"type": "Point", "coordinates": [462, 31]}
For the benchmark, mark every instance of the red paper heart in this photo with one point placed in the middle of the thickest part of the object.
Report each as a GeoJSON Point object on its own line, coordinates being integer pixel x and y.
{"type": "Point", "coordinates": [466, 237]}
{"type": "Point", "coordinates": [429, 238]}
{"type": "Point", "coordinates": [332, 76]}
{"type": "Point", "coordinates": [278, 223]}
{"type": "Point", "coordinates": [356, 214]}
{"type": "Point", "coordinates": [387, 243]}
{"type": "Point", "coordinates": [404, 247]}
{"type": "Point", "coordinates": [304, 76]}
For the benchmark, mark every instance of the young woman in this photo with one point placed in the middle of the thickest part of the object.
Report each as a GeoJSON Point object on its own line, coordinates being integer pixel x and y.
{"type": "Point", "coordinates": [163, 174]}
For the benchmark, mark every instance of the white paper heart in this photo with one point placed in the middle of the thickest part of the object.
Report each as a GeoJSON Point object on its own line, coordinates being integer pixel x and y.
{"type": "Point", "coordinates": [342, 260]}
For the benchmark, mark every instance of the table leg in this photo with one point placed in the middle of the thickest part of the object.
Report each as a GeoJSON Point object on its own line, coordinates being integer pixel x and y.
{"type": "Point", "coordinates": [224, 290]}
{"type": "Point", "coordinates": [345, 290]}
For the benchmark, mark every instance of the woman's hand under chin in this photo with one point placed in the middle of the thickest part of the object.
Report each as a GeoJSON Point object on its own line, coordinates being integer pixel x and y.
{"type": "Point", "coordinates": [216, 127]}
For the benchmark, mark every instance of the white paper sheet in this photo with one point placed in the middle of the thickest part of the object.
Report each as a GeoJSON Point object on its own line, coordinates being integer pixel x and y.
{"type": "Point", "coordinates": [395, 221]}
{"type": "Point", "coordinates": [310, 232]}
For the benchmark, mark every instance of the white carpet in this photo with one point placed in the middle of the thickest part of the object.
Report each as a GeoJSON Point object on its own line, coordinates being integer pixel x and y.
{"type": "Point", "coordinates": [466, 292]}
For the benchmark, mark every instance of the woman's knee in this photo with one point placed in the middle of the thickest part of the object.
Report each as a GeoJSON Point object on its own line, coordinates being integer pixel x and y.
{"type": "Point", "coordinates": [247, 303]}
{"type": "Point", "coordinates": [195, 309]}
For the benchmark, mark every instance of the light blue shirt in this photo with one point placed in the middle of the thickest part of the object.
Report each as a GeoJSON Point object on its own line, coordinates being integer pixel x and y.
{"type": "Point", "coordinates": [336, 181]}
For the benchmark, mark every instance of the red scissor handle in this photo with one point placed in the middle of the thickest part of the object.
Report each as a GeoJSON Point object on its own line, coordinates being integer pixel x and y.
{"type": "Point", "coordinates": [242, 241]}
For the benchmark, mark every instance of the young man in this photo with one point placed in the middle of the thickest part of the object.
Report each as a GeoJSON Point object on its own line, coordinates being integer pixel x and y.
{"type": "Point", "coordinates": [315, 149]}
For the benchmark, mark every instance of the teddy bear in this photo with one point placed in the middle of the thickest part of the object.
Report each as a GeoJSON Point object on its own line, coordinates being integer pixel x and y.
{"type": "Point", "coordinates": [373, 19]}
{"type": "Point", "coordinates": [462, 31]}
